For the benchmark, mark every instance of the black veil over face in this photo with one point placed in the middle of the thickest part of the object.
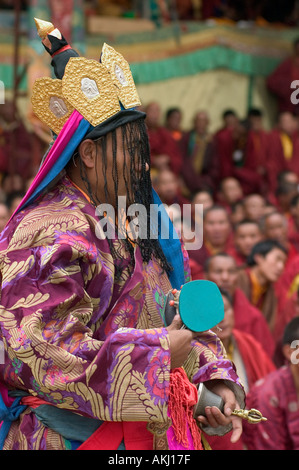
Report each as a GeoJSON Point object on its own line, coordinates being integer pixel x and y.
{"type": "Point", "coordinates": [136, 175]}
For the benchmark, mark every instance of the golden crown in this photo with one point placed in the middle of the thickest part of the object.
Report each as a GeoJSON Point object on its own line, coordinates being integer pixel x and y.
{"type": "Point", "coordinates": [97, 90]}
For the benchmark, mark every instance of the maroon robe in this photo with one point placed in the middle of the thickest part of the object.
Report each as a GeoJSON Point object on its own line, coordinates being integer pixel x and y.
{"type": "Point", "coordinates": [277, 399]}
{"type": "Point", "coordinates": [240, 259]}
{"type": "Point", "coordinates": [256, 155]}
{"type": "Point", "coordinates": [276, 161]}
{"type": "Point", "coordinates": [208, 176]}
{"type": "Point", "coordinates": [196, 269]}
{"type": "Point", "coordinates": [257, 365]}
{"type": "Point", "coordinates": [200, 256]}
{"type": "Point", "coordinates": [251, 320]}
{"type": "Point", "coordinates": [16, 147]}
{"type": "Point", "coordinates": [162, 143]}
{"type": "Point", "coordinates": [279, 83]}
{"type": "Point", "coordinates": [244, 170]}
{"type": "Point", "coordinates": [288, 310]}
{"type": "Point", "coordinates": [293, 233]}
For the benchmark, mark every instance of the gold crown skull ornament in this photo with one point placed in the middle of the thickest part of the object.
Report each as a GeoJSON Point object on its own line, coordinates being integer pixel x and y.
{"type": "Point", "coordinates": [49, 103]}
{"type": "Point", "coordinates": [97, 90]}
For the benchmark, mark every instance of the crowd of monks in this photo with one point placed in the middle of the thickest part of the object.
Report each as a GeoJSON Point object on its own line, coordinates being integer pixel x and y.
{"type": "Point", "coordinates": [246, 179]}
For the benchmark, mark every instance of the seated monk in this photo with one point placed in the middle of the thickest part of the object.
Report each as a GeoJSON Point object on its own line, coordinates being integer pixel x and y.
{"type": "Point", "coordinates": [275, 227]}
{"type": "Point", "coordinates": [288, 311]}
{"type": "Point", "coordinates": [251, 361]}
{"type": "Point", "coordinates": [200, 167]}
{"type": "Point", "coordinates": [257, 145]}
{"type": "Point", "coordinates": [276, 397]}
{"type": "Point", "coordinates": [237, 212]}
{"type": "Point", "coordinates": [283, 149]}
{"type": "Point", "coordinates": [266, 264]}
{"type": "Point", "coordinates": [246, 234]}
{"type": "Point", "coordinates": [167, 185]}
{"type": "Point", "coordinates": [289, 281]}
{"type": "Point", "coordinates": [217, 234]}
{"type": "Point", "coordinates": [173, 121]}
{"type": "Point", "coordinates": [230, 192]}
{"type": "Point", "coordinates": [204, 198]}
{"type": "Point", "coordinates": [162, 144]}
{"type": "Point", "coordinates": [231, 146]}
{"type": "Point", "coordinates": [284, 195]}
{"type": "Point", "coordinates": [222, 269]}
{"type": "Point", "coordinates": [254, 206]}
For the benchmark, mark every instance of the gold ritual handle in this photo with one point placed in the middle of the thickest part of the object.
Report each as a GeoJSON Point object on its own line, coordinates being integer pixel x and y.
{"type": "Point", "coordinates": [252, 416]}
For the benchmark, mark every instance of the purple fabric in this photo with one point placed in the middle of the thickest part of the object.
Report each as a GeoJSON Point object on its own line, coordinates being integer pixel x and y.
{"type": "Point", "coordinates": [76, 336]}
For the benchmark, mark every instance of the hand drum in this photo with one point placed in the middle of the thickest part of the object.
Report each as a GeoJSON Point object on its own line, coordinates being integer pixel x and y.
{"type": "Point", "coordinates": [199, 304]}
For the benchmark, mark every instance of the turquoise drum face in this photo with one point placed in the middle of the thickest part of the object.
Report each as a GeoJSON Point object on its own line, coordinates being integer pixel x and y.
{"type": "Point", "coordinates": [200, 305]}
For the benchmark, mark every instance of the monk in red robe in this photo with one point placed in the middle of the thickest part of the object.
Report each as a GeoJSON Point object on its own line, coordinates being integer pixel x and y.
{"type": "Point", "coordinates": [222, 269]}
{"type": "Point", "coordinates": [276, 397]}
{"type": "Point", "coordinates": [165, 150]}
{"type": "Point", "coordinates": [201, 165]}
{"type": "Point", "coordinates": [254, 206]}
{"type": "Point", "coordinates": [173, 120]}
{"type": "Point", "coordinates": [283, 149]}
{"type": "Point", "coordinates": [250, 359]}
{"type": "Point", "coordinates": [16, 144]}
{"type": "Point", "coordinates": [231, 144]}
{"type": "Point", "coordinates": [230, 192]}
{"type": "Point", "coordinates": [289, 285]}
{"type": "Point", "coordinates": [257, 146]}
{"type": "Point", "coordinates": [288, 311]}
{"type": "Point", "coordinates": [167, 185]}
{"type": "Point", "coordinates": [279, 81]}
{"type": "Point", "coordinates": [275, 227]}
{"type": "Point", "coordinates": [259, 281]}
{"type": "Point", "coordinates": [246, 234]}
{"type": "Point", "coordinates": [217, 234]}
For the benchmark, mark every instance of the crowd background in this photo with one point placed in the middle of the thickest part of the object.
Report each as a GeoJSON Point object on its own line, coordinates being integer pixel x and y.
{"type": "Point", "coordinates": [246, 176]}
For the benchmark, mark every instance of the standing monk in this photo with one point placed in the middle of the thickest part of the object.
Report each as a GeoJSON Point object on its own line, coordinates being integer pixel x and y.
{"type": "Point", "coordinates": [200, 168]}
{"type": "Point", "coordinates": [283, 150]}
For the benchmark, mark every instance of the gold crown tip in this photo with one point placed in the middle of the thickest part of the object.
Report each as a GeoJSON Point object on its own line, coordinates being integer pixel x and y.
{"type": "Point", "coordinates": [43, 27]}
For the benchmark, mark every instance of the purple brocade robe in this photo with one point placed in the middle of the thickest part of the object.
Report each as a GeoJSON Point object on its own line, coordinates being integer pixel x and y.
{"type": "Point", "coordinates": [76, 337]}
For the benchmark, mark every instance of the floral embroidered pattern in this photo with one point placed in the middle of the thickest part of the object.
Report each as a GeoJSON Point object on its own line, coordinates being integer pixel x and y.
{"type": "Point", "coordinates": [73, 336]}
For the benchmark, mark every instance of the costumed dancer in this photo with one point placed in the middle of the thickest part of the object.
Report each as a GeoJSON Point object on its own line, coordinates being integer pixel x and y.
{"type": "Point", "coordinates": [89, 362]}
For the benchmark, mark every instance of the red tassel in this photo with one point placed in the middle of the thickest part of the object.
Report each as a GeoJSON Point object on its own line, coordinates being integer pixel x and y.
{"type": "Point", "coordinates": [182, 399]}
